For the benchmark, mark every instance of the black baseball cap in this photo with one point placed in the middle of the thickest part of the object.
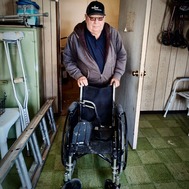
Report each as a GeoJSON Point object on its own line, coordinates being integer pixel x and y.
{"type": "Point", "coordinates": [95, 8]}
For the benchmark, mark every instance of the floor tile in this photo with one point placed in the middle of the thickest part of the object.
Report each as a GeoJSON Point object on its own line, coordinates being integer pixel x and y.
{"type": "Point", "coordinates": [144, 144]}
{"type": "Point", "coordinates": [158, 142]}
{"type": "Point", "coordinates": [180, 171]}
{"type": "Point", "coordinates": [149, 132]}
{"type": "Point", "coordinates": [172, 123]}
{"type": "Point", "coordinates": [90, 178]}
{"type": "Point", "coordinates": [137, 175]}
{"type": "Point", "coordinates": [158, 123]}
{"type": "Point", "coordinates": [140, 134]}
{"type": "Point", "coordinates": [144, 124]}
{"type": "Point", "coordinates": [183, 184]}
{"type": "Point", "coordinates": [175, 142]}
{"type": "Point", "coordinates": [183, 120]}
{"type": "Point", "coordinates": [159, 173]}
{"type": "Point", "coordinates": [59, 137]}
{"type": "Point", "coordinates": [183, 153]}
{"type": "Point", "coordinates": [58, 164]}
{"type": "Point", "coordinates": [168, 155]}
{"type": "Point", "coordinates": [94, 188]}
{"type": "Point", "coordinates": [50, 162]}
{"type": "Point", "coordinates": [45, 180]}
{"type": "Point", "coordinates": [150, 117]}
{"type": "Point", "coordinates": [86, 162]}
{"type": "Point", "coordinates": [178, 131]}
{"type": "Point", "coordinates": [133, 159]}
{"type": "Point", "coordinates": [57, 179]}
{"type": "Point", "coordinates": [46, 187]}
{"type": "Point", "coordinates": [185, 139]}
{"type": "Point", "coordinates": [170, 185]}
{"type": "Point", "coordinates": [165, 132]}
{"type": "Point", "coordinates": [149, 157]}
{"type": "Point", "coordinates": [123, 180]}
{"type": "Point", "coordinates": [142, 186]}
{"type": "Point", "coordinates": [56, 146]}
{"type": "Point", "coordinates": [100, 163]}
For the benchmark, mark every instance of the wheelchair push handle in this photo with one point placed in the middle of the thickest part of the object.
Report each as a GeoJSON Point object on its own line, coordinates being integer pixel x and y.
{"type": "Point", "coordinates": [113, 91]}
{"type": "Point", "coordinates": [114, 87]}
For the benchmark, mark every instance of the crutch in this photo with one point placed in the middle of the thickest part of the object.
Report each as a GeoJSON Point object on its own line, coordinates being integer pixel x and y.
{"type": "Point", "coordinates": [15, 38]}
{"type": "Point", "coordinates": [21, 18]}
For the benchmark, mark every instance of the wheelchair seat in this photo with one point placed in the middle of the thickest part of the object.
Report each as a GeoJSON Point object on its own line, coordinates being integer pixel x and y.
{"type": "Point", "coordinates": [95, 125]}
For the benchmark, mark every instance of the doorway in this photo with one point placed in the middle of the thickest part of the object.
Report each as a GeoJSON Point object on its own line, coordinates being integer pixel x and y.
{"type": "Point", "coordinates": [69, 87]}
{"type": "Point", "coordinates": [116, 15]}
{"type": "Point", "coordinates": [70, 93]}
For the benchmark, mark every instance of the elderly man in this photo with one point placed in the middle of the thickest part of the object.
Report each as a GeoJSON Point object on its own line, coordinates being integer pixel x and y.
{"type": "Point", "coordinates": [94, 55]}
{"type": "Point", "coordinates": [94, 52]}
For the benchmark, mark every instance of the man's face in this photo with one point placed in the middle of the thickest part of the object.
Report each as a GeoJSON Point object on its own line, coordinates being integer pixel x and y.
{"type": "Point", "coordinates": [95, 24]}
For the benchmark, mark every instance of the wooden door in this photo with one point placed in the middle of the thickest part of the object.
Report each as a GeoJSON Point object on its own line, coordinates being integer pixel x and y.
{"type": "Point", "coordinates": [134, 21]}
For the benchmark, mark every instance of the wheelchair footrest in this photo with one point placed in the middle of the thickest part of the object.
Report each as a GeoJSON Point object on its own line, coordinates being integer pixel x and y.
{"type": "Point", "coordinates": [82, 133]}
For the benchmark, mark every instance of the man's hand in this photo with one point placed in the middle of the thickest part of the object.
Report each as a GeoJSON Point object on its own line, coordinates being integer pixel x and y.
{"type": "Point", "coordinates": [115, 81]}
{"type": "Point", "coordinates": [82, 81]}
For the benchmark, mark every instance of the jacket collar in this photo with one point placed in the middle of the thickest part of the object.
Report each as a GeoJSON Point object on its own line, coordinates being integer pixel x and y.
{"type": "Point", "coordinates": [80, 32]}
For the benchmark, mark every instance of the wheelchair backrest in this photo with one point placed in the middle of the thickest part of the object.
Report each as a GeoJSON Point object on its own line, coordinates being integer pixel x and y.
{"type": "Point", "coordinates": [103, 98]}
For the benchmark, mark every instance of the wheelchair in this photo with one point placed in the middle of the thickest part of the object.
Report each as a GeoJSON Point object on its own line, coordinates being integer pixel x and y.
{"type": "Point", "coordinates": [95, 124]}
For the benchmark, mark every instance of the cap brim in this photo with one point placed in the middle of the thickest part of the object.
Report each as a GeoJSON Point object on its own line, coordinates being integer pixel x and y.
{"type": "Point", "coordinates": [96, 13]}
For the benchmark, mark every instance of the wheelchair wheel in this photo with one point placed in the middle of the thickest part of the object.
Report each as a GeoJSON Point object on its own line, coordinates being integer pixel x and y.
{"type": "Point", "coordinates": [110, 185]}
{"type": "Point", "coordinates": [122, 143]}
{"type": "Point", "coordinates": [71, 120]}
{"type": "Point", "coordinates": [65, 142]}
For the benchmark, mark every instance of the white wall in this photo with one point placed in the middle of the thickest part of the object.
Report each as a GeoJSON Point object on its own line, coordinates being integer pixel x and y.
{"type": "Point", "coordinates": [163, 65]}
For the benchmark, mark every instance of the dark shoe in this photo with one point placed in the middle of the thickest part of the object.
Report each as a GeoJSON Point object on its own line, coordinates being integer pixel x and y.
{"type": "Point", "coordinates": [72, 184]}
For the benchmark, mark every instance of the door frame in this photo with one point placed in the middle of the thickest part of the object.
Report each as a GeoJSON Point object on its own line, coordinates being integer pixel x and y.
{"type": "Point", "coordinates": [59, 59]}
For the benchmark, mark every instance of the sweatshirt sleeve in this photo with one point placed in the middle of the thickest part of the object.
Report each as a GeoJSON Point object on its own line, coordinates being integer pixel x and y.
{"type": "Point", "coordinates": [70, 58]}
{"type": "Point", "coordinates": [121, 56]}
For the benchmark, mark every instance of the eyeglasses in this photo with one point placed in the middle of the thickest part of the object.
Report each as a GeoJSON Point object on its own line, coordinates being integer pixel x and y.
{"type": "Point", "coordinates": [96, 18]}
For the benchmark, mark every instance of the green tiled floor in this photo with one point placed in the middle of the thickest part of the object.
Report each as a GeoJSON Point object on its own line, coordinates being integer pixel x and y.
{"type": "Point", "coordinates": [161, 160]}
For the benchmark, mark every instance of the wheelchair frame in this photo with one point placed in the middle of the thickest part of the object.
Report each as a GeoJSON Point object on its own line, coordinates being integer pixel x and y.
{"type": "Point", "coordinates": [74, 148]}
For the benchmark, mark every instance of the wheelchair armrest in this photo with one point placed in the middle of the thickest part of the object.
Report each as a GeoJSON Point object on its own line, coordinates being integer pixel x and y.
{"type": "Point", "coordinates": [73, 106]}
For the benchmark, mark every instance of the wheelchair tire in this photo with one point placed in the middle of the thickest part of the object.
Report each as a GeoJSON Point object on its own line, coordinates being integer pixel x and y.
{"type": "Point", "coordinates": [65, 148]}
{"type": "Point", "coordinates": [110, 185]}
{"type": "Point", "coordinates": [122, 143]}
{"type": "Point", "coordinates": [65, 143]}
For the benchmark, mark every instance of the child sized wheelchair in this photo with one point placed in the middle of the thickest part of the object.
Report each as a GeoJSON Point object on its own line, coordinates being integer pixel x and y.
{"type": "Point", "coordinates": [96, 125]}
